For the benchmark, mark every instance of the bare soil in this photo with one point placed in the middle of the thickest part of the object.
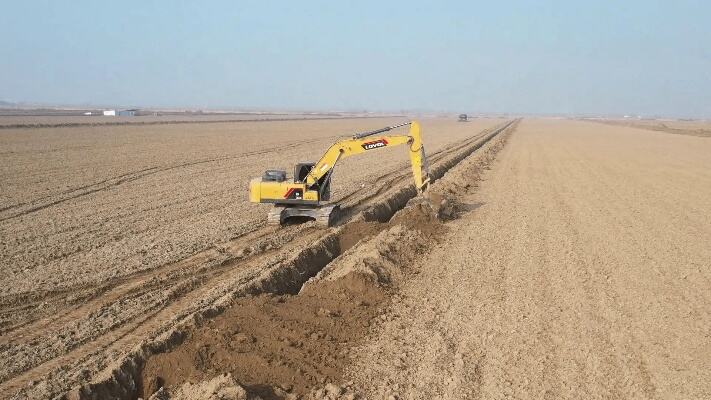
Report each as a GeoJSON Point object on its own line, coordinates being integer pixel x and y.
{"type": "Point", "coordinates": [583, 273]}
{"type": "Point", "coordinates": [88, 205]}
{"type": "Point", "coordinates": [10, 119]}
{"type": "Point", "coordinates": [300, 345]}
{"type": "Point", "coordinates": [692, 128]}
{"type": "Point", "coordinates": [551, 259]}
{"type": "Point", "coordinates": [69, 313]}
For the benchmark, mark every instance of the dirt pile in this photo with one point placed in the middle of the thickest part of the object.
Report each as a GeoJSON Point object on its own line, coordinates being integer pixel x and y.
{"type": "Point", "coordinates": [296, 343]}
{"type": "Point", "coordinates": [379, 260]}
{"type": "Point", "coordinates": [222, 387]}
{"type": "Point", "coordinates": [225, 387]}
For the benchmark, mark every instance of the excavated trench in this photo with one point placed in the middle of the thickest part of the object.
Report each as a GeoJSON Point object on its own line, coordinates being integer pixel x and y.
{"type": "Point", "coordinates": [289, 331]}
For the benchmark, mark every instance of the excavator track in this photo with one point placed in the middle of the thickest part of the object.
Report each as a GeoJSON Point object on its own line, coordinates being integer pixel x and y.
{"type": "Point", "coordinates": [327, 215]}
{"type": "Point", "coordinates": [274, 216]}
{"type": "Point", "coordinates": [323, 215]}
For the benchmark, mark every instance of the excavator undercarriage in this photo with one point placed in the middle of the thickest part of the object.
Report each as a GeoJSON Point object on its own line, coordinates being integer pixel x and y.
{"type": "Point", "coordinates": [324, 215]}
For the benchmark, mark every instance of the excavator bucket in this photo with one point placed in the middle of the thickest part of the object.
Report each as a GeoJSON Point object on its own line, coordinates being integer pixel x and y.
{"type": "Point", "coordinates": [418, 158]}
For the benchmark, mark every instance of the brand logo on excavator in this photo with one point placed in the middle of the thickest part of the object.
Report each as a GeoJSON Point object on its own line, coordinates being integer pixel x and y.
{"type": "Point", "coordinates": [375, 144]}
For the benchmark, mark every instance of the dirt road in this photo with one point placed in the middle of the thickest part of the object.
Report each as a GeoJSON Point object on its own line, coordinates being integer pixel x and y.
{"type": "Point", "coordinates": [583, 271]}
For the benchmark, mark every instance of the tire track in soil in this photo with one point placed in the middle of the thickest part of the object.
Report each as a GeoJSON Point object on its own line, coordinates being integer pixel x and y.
{"type": "Point", "coordinates": [189, 280]}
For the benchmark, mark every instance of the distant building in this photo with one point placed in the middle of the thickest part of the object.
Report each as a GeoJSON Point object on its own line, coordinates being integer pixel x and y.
{"type": "Point", "coordinates": [110, 113]}
{"type": "Point", "coordinates": [127, 113]}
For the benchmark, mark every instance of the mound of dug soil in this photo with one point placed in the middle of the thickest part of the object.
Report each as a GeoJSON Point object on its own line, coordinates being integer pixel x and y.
{"type": "Point", "coordinates": [379, 261]}
{"type": "Point", "coordinates": [222, 387]}
{"type": "Point", "coordinates": [279, 346]}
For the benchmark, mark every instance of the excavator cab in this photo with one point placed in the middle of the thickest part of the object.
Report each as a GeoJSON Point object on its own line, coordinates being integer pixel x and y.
{"type": "Point", "coordinates": [301, 171]}
{"type": "Point", "coordinates": [323, 185]}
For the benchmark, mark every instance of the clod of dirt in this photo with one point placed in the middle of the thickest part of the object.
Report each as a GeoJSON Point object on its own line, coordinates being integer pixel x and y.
{"type": "Point", "coordinates": [443, 207]}
{"type": "Point", "coordinates": [222, 387]}
{"type": "Point", "coordinates": [333, 392]}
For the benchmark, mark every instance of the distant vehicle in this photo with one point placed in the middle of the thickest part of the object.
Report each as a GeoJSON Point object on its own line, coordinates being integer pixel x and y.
{"type": "Point", "coordinates": [463, 118]}
{"type": "Point", "coordinates": [110, 113]}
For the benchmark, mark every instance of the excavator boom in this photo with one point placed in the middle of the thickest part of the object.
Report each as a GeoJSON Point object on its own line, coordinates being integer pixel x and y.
{"type": "Point", "coordinates": [360, 143]}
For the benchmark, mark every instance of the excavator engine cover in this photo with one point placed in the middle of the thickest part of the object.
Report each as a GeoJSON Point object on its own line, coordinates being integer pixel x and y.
{"type": "Point", "coordinates": [274, 175]}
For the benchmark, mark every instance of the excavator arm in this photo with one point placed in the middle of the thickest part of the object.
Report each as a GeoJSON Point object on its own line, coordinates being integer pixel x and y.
{"type": "Point", "coordinates": [367, 141]}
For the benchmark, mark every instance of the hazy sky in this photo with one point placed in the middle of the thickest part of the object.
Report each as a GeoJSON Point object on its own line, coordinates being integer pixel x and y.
{"type": "Point", "coordinates": [620, 57]}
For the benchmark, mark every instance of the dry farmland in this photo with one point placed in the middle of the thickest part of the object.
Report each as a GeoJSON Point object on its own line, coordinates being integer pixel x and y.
{"type": "Point", "coordinates": [682, 127]}
{"type": "Point", "coordinates": [107, 228]}
{"type": "Point", "coordinates": [566, 259]}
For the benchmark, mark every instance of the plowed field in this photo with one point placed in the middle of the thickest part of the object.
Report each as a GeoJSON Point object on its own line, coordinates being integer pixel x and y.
{"type": "Point", "coordinates": [108, 233]}
{"type": "Point", "coordinates": [548, 259]}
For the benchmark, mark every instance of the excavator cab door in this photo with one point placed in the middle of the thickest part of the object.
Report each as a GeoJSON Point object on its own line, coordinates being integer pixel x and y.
{"type": "Point", "coordinates": [301, 170]}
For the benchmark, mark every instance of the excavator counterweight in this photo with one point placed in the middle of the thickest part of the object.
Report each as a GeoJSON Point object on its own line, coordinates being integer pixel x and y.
{"type": "Point", "coordinates": [307, 194]}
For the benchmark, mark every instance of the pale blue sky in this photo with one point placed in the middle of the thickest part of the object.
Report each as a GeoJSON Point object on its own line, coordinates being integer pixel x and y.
{"type": "Point", "coordinates": [614, 57]}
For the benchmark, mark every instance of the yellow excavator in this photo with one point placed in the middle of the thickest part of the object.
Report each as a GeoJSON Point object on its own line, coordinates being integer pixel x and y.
{"type": "Point", "coordinates": [306, 195]}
